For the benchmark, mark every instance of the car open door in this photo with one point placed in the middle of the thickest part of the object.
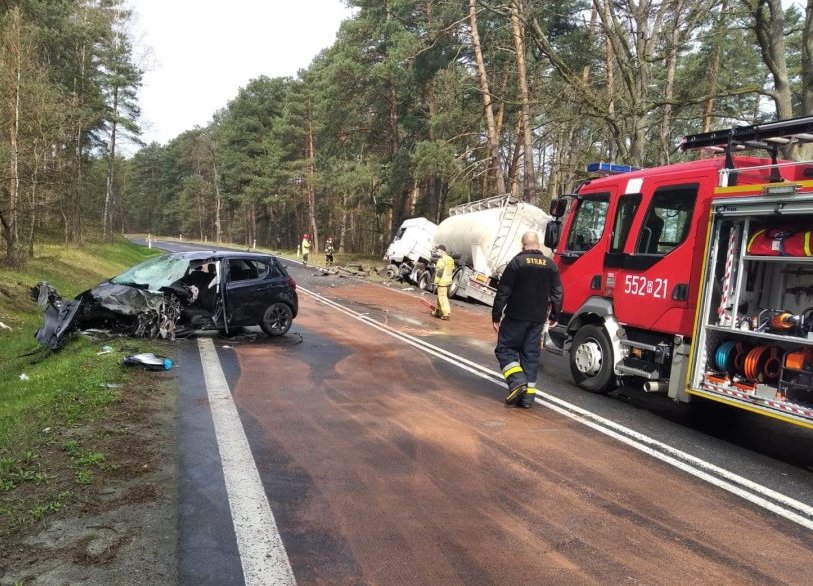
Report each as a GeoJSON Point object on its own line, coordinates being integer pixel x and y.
{"type": "Point", "coordinates": [219, 315]}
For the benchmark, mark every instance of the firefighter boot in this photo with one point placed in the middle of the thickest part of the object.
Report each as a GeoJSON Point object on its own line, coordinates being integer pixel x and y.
{"type": "Point", "coordinates": [526, 400]}
{"type": "Point", "coordinates": [515, 393]}
{"type": "Point", "coordinates": [517, 383]}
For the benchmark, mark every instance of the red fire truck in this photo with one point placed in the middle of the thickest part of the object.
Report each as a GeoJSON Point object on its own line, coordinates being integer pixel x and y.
{"type": "Point", "coordinates": [715, 251]}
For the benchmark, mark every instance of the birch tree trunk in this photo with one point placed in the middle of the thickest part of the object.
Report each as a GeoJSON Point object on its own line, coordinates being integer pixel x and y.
{"type": "Point", "coordinates": [32, 221]}
{"type": "Point", "coordinates": [218, 198]}
{"type": "Point", "coordinates": [10, 222]}
{"type": "Point", "coordinates": [807, 61]}
{"type": "Point", "coordinates": [806, 152]}
{"type": "Point", "coordinates": [107, 222]}
{"type": "Point", "coordinates": [513, 167]}
{"type": "Point", "coordinates": [668, 93]}
{"type": "Point", "coordinates": [609, 60]}
{"type": "Point", "coordinates": [201, 212]}
{"type": "Point", "coordinates": [714, 67]}
{"type": "Point", "coordinates": [311, 162]}
{"type": "Point", "coordinates": [75, 212]}
{"type": "Point", "coordinates": [76, 207]}
{"type": "Point", "coordinates": [529, 177]}
{"type": "Point", "coordinates": [399, 196]}
{"type": "Point", "coordinates": [343, 228]}
{"type": "Point", "coordinates": [769, 27]}
{"type": "Point", "coordinates": [493, 139]}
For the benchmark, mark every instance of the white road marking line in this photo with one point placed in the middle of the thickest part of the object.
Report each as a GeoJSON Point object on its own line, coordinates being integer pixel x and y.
{"type": "Point", "coordinates": [262, 553]}
{"type": "Point", "coordinates": [751, 491]}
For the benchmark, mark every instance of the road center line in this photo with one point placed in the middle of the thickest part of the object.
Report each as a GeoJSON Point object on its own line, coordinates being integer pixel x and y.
{"type": "Point", "coordinates": [753, 492]}
{"type": "Point", "coordinates": [262, 553]}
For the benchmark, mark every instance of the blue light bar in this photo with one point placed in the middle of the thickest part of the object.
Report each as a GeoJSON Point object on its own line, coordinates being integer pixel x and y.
{"type": "Point", "coordinates": [609, 168]}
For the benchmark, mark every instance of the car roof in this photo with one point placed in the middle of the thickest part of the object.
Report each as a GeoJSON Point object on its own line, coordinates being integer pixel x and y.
{"type": "Point", "coordinates": [220, 254]}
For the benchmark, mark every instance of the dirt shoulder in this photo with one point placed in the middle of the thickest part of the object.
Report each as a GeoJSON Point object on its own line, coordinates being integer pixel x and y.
{"type": "Point", "coordinates": [121, 528]}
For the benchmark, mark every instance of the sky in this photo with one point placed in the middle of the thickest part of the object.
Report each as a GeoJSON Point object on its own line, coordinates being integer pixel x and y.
{"type": "Point", "coordinates": [197, 54]}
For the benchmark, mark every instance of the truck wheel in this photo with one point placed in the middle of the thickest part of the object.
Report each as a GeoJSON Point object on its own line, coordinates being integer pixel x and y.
{"type": "Point", "coordinates": [591, 359]}
{"type": "Point", "coordinates": [392, 271]}
{"type": "Point", "coordinates": [458, 274]}
{"type": "Point", "coordinates": [425, 281]}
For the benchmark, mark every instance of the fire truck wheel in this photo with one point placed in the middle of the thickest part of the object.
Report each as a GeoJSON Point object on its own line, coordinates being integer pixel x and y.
{"type": "Point", "coordinates": [591, 359]}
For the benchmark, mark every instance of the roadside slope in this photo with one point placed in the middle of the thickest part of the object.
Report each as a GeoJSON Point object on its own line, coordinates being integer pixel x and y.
{"type": "Point", "coordinates": [87, 448]}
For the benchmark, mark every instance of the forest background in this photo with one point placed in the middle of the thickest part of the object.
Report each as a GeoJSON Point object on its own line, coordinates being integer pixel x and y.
{"type": "Point", "coordinates": [417, 106]}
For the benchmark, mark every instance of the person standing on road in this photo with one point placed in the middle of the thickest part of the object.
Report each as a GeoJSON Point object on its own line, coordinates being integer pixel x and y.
{"type": "Point", "coordinates": [444, 270]}
{"type": "Point", "coordinates": [306, 248]}
{"type": "Point", "coordinates": [529, 293]}
{"type": "Point", "coordinates": [329, 252]}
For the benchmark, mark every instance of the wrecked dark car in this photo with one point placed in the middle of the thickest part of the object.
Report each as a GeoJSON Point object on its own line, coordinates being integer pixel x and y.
{"type": "Point", "coordinates": [176, 294]}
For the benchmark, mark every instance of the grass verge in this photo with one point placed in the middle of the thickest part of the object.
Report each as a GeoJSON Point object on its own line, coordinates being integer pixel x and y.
{"type": "Point", "coordinates": [51, 403]}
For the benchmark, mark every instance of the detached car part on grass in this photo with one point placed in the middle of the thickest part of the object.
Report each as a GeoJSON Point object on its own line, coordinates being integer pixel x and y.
{"type": "Point", "coordinates": [178, 293]}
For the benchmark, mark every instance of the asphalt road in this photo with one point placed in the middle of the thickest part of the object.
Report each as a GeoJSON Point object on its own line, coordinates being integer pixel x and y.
{"type": "Point", "coordinates": [388, 457]}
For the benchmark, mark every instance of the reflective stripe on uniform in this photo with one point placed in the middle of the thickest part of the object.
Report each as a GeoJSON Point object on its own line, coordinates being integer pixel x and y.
{"type": "Point", "coordinates": [512, 368]}
{"type": "Point", "coordinates": [807, 244]}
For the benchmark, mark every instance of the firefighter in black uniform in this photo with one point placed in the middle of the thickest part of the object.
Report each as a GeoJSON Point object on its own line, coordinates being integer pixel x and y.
{"type": "Point", "coordinates": [529, 293]}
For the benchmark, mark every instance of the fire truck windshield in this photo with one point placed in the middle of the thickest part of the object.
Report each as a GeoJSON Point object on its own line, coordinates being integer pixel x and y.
{"type": "Point", "coordinates": [588, 224]}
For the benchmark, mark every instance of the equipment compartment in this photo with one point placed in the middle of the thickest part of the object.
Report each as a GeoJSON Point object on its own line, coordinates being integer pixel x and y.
{"type": "Point", "coordinates": [754, 332]}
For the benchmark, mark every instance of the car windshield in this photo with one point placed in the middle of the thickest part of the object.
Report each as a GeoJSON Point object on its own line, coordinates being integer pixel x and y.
{"type": "Point", "coordinates": [154, 273]}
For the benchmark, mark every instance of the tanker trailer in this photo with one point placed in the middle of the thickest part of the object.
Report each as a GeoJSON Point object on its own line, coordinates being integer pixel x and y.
{"type": "Point", "coordinates": [410, 251]}
{"type": "Point", "coordinates": [483, 236]}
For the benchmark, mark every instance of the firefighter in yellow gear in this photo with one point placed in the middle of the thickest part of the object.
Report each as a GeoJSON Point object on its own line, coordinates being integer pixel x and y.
{"type": "Point", "coordinates": [444, 270]}
{"type": "Point", "coordinates": [306, 248]}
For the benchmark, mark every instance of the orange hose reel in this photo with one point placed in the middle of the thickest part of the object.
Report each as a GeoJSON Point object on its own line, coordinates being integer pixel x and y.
{"type": "Point", "coordinates": [784, 321]}
{"type": "Point", "coordinates": [763, 363]}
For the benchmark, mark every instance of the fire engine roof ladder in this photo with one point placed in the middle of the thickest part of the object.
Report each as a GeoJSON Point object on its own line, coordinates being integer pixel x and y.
{"type": "Point", "coordinates": [770, 136]}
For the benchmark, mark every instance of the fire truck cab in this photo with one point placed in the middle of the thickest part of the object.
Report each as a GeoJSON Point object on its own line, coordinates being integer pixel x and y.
{"type": "Point", "coordinates": [631, 247]}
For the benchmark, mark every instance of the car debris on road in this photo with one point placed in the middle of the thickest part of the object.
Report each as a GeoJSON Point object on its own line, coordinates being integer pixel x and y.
{"type": "Point", "coordinates": [149, 361]}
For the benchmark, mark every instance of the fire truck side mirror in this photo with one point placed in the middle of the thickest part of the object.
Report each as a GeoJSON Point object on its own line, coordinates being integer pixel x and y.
{"type": "Point", "coordinates": [553, 230]}
{"type": "Point", "coordinates": [558, 207]}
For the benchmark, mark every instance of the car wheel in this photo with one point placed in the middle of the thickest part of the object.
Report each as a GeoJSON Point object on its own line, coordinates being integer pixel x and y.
{"type": "Point", "coordinates": [277, 319]}
{"type": "Point", "coordinates": [591, 359]}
